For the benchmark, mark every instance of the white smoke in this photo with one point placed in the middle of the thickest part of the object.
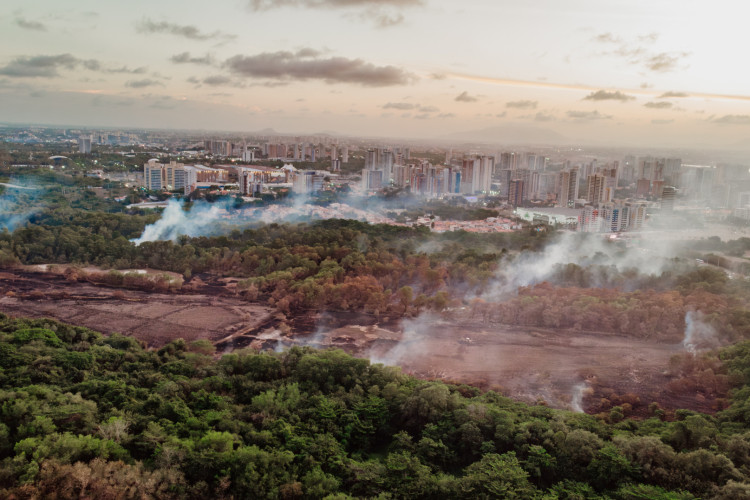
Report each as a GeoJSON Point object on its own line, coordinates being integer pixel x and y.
{"type": "Point", "coordinates": [576, 401]}
{"type": "Point", "coordinates": [205, 219]}
{"type": "Point", "coordinates": [15, 208]}
{"type": "Point", "coordinates": [200, 220]}
{"type": "Point", "coordinates": [698, 333]}
{"type": "Point", "coordinates": [414, 332]}
{"type": "Point", "coordinates": [530, 268]}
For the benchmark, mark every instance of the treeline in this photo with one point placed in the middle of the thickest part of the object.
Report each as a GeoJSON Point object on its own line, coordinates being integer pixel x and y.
{"type": "Point", "coordinates": [87, 416]}
{"type": "Point", "coordinates": [340, 264]}
{"type": "Point", "coordinates": [650, 313]}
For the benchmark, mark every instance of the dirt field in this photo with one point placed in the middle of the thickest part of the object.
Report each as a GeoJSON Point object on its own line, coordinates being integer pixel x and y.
{"type": "Point", "coordinates": [151, 317]}
{"type": "Point", "coordinates": [526, 364]}
{"type": "Point", "coordinates": [557, 367]}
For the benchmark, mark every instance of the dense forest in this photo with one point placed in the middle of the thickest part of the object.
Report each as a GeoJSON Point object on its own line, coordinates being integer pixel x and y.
{"type": "Point", "coordinates": [87, 416]}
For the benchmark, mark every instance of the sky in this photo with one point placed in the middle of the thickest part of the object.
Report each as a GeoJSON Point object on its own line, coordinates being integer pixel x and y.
{"type": "Point", "coordinates": [650, 73]}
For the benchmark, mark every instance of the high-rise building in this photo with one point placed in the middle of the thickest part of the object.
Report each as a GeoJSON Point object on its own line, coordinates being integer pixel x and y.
{"type": "Point", "coordinates": [643, 188]}
{"type": "Point", "coordinates": [220, 148]}
{"type": "Point", "coordinates": [370, 159]}
{"type": "Point", "coordinates": [595, 188]}
{"type": "Point", "coordinates": [636, 215]}
{"type": "Point", "coordinates": [546, 186]}
{"type": "Point", "coordinates": [667, 199]}
{"type": "Point", "coordinates": [506, 175]}
{"type": "Point", "coordinates": [307, 181]}
{"type": "Point", "coordinates": [158, 176]}
{"type": "Point", "coordinates": [515, 193]}
{"type": "Point", "coordinates": [568, 185]}
{"type": "Point", "coordinates": [509, 161]}
{"type": "Point", "coordinates": [372, 179]}
{"type": "Point", "coordinates": [84, 144]}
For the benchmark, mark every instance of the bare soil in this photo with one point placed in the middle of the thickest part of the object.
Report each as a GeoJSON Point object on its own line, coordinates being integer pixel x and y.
{"type": "Point", "coordinates": [531, 364]}
{"type": "Point", "coordinates": [154, 318]}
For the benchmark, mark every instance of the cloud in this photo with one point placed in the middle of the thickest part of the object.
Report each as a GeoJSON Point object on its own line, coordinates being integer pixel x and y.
{"type": "Point", "coordinates": [48, 66]}
{"type": "Point", "coordinates": [446, 115]}
{"type": "Point", "coordinates": [300, 66]}
{"type": "Point", "coordinates": [308, 52]}
{"type": "Point", "coordinates": [384, 20]}
{"type": "Point", "coordinates": [603, 95]}
{"type": "Point", "coordinates": [94, 65]}
{"type": "Point", "coordinates": [139, 84]}
{"type": "Point", "coordinates": [382, 13]}
{"type": "Point", "coordinates": [258, 5]}
{"type": "Point", "coordinates": [587, 115]}
{"type": "Point", "coordinates": [670, 94]}
{"type": "Point", "coordinates": [217, 80]}
{"type": "Point", "coordinates": [640, 54]}
{"type": "Point", "coordinates": [30, 25]}
{"type": "Point", "coordinates": [185, 57]}
{"type": "Point", "coordinates": [658, 105]}
{"type": "Point", "coordinates": [38, 66]}
{"type": "Point", "coordinates": [661, 122]}
{"type": "Point", "coordinates": [733, 120]}
{"type": "Point", "coordinates": [646, 85]}
{"type": "Point", "coordinates": [399, 105]}
{"type": "Point", "coordinates": [543, 117]}
{"type": "Point", "coordinates": [187, 31]}
{"type": "Point", "coordinates": [406, 106]}
{"type": "Point", "coordinates": [438, 76]}
{"type": "Point", "coordinates": [465, 97]}
{"type": "Point", "coordinates": [607, 38]}
{"type": "Point", "coordinates": [665, 61]}
{"type": "Point", "coordinates": [650, 38]}
{"type": "Point", "coordinates": [522, 104]}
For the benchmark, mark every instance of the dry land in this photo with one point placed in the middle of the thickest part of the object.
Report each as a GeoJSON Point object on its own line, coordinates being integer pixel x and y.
{"type": "Point", "coordinates": [524, 363]}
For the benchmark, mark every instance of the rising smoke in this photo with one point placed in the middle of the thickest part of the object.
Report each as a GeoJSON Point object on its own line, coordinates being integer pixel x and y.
{"type": "Point", "coordinates": [415, 331]}
{"type": "Point", "coordinates": [698, 333]}
{"type": "Point", "coordinates": [210, 219]}
{"type": "Point", "coordinates": [201, 220]}
{"type": "Point", "coordinates": [17, 204]}
{"type": "Point", "coordinates": [530, 268]}
{"type": "Point", "coordinates": [576, 402]}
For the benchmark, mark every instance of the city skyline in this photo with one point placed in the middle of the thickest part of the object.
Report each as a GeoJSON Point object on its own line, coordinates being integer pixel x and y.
{"type": "Point", "coordinates": [656, 73]}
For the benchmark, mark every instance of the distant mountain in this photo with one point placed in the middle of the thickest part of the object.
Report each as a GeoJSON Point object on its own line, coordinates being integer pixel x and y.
{"type": "Point", "coordinates": [510, 134]}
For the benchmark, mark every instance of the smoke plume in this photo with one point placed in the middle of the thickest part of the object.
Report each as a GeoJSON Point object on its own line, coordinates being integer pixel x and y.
{"type": "Point", "coordinates": [200, 220]}
{"type": "Point", "coordinates": [530, 268]}
{"type": "Point", "coordinates": [576, 402]}
{"type": "Point", "coordinates": [208, 219]}
{"type": "Point", "coordinates": [17, 205]}
{"type": "Point", "coordinates": [698, 333]}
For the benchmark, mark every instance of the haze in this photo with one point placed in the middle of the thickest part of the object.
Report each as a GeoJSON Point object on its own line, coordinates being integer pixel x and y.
{"type": "Point", "coordinates": [618, 73]}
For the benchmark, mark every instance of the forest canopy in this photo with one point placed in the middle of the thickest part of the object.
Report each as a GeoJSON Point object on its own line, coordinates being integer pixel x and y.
{"type": "Point", "coordinates": [86, 415]}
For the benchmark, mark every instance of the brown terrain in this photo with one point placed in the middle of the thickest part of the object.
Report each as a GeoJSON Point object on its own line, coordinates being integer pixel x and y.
{"type": "Point", "coordinates": [531, 364]}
